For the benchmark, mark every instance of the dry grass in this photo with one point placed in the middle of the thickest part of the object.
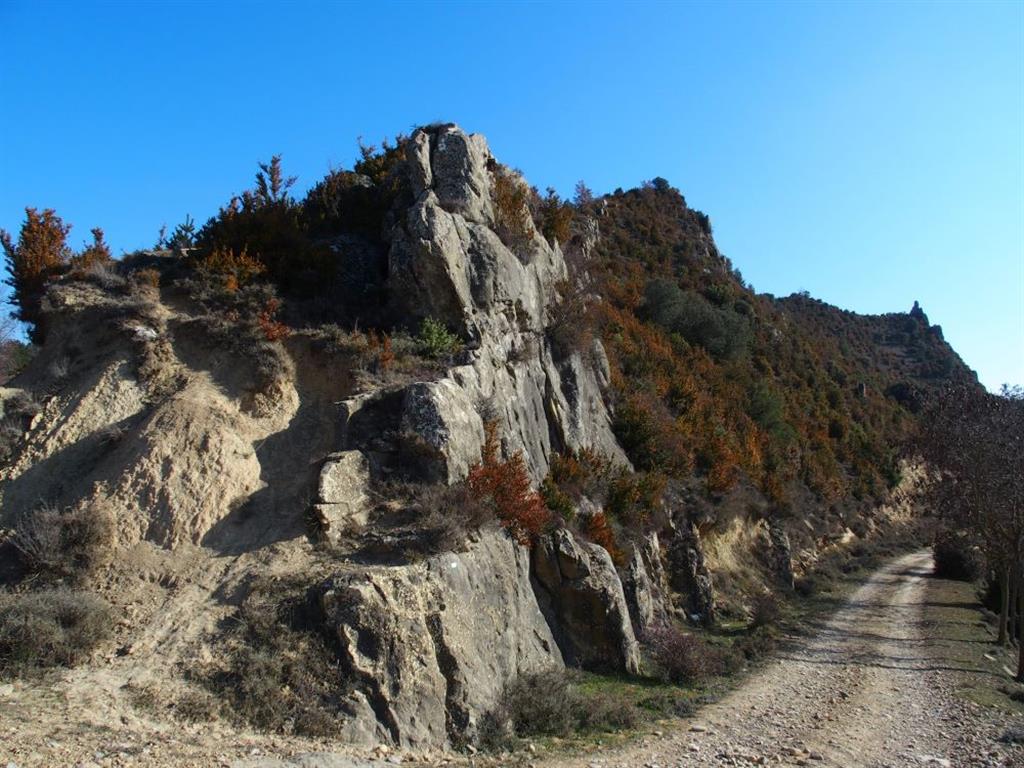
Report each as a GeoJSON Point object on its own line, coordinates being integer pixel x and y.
{"type": "Point", "coordinates": [50, 628]}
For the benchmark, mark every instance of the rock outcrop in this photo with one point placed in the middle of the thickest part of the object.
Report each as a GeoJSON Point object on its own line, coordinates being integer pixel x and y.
{"type": "Point", "coordinates": [645, 585]}
{"type": "Point", "coordinates": [343, 502]}
{"type": "Point", "coordinates": [431, 646]}
{"type": "Point", "coordinates": [581, 595]}
{"type": "Point", "coordinates": [447, 262]}
{"type": "Point", "coordinates": [690, 577]}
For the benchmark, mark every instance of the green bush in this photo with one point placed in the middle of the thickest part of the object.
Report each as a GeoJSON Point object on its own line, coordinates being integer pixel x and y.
{"type": "Point", "coordinates": [435, 340]}
{"type": "Point", "coordinates": [50, 628]}
{"type": "Point", "coordinates": [722, 332]}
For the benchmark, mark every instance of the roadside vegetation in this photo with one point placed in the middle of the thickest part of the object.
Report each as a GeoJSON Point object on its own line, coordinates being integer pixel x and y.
{"type": "Point", "coordinates": [975, 442]}
{"type": "Point", "coordinates": [683, 667]}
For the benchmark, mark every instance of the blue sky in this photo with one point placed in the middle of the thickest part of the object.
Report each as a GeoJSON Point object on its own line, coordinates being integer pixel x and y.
{"type": "Point", "coordinates": [870, 153]}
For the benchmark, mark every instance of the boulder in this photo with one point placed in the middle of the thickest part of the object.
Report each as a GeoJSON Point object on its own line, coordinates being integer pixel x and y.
{"type": "Point", "coordinates": [580, 594]}
{"type": "Point", "coordinates": [343, 501]}
{"type": "Point", "coordinates": [431, 646]}
{"type": "Point", "coordinates": [645, 585]}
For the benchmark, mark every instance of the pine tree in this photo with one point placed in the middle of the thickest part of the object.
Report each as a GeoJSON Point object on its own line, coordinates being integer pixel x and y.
{"type": "Point", "coordinates": [41, 251]}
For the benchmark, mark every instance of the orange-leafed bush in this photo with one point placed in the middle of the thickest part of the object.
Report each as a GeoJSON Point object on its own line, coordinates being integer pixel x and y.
{"type": "Point", "coordinates": [95, 255]}
{"type": "Point", "coordinates": [599, 531]}
{"type": "Point", "coordinates": [41, 251]}
{"type": "Point", "coordinates": [273, 330]}
{"type": "Point", "coordinates": [381, 351]}
{"type": "Point", "coordinates": [235, 269]}
{"type": "Point", "coordinates": [504, 485]}
{"type": "Point", "coordinates": [148, 277]}
{"type": "Point", "coordinates": [512, 219]}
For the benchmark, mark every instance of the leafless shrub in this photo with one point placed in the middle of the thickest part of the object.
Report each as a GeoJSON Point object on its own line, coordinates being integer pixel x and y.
{"type": "Point", "coordinates": [59, 368]}
{"type": "Point", "coordinates": [104, 274]}
{"type": "Point", "coordinates": [441, 516]}
{"type": "Point", "coordinates": [764, 610]}
{"type": "Point", "coordinates": [552, 704]}
{"type": "Point", "coordinates": [70, 542]}
{"type": "Point", "coordinates": [279, 671]}
{"type": "Point", "coordinates": [681, 657]}
{"type": "Point", "coordinates": [50, 628]}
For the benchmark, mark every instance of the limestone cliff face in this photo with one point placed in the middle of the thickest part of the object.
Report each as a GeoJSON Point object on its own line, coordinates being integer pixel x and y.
{"type": "Point", "coordinates": [446, 261]}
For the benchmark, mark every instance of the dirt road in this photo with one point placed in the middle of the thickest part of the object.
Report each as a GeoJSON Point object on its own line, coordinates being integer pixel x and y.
{"type": "Point", "coordinates": [868, 690]}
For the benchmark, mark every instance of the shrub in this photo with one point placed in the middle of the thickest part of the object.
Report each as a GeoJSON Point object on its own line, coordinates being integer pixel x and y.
{"type": "Point", "coordinates": [722, 332]}
{"type": "Point", "coordinates": [634, 497]}
{"type": "Point", "coordinates": [756, 644]}
{"type": "Point", "coordinates": [552, 704]}
{"type": "Point", "coordinates": [148, 277]}
{"type": "Point", "coordinates": [956, 557]}
{"type": "Point", "coordinates": [764, 610]}
{"type": "Point", "coordinates": [14, 354]}
{"type": "Point", "coordinates": [512, 220]}
{"type": "Point", "coordinates": [806, 586]}
{"type": "Point", "coordinates": [97, 254]}
{"type": "Point", "coordinates": [273, 330]}
{"type": "Point", "coordinates": [359, 200]}
{"type": "Point", "coordinates": [598, 530]}
{"type": "Point", "coordinates": [235, 270]}
{"type": "Point", "coordinates": [280, 672]}
{"type": "Point", "coordinates": [681, 657]}
{"type": "Point", "coordinates": [435, 340]}
{"type": "Point", "coordinates": [41, 251]}
{"type": "Point", "coordinates": [102, 273]}
{"type": "Point", "coordinates": [50, 628]}
{"type": "Point", "coordinates": [17, 415]}
{"type": "Point", "coordinates": [503, 486]}
{"type": "Point", "coordinates": [68, 542]}
{"type": "Point", "coordinates": [441, 516]}
{"type": "Point", "coordinates": [555, 217]}
{"type": "Point", "coordinates": [265, 224]}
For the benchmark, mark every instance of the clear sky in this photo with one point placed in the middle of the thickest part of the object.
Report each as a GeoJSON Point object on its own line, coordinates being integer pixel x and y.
{"type": "Point", "coordinates": [870, 153]}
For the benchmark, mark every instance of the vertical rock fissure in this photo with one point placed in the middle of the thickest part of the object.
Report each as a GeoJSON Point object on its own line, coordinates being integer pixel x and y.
{"type": "Point", "coordinates": [456, 716]}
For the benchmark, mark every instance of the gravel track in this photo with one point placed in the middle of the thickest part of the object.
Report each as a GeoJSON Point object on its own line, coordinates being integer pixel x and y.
{"type": "Point", "coordinates": [867, 691]}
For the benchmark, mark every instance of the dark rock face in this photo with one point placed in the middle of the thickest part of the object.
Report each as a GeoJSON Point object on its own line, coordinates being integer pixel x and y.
{"type": "Point", "coordinates": [645, 585]}
{"type": "Point", "coordinates": [689, 575]}
{"type": "Point", "coordinates": [780, 553]}
{"type": "Point", "coordinates": [582, 598]}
